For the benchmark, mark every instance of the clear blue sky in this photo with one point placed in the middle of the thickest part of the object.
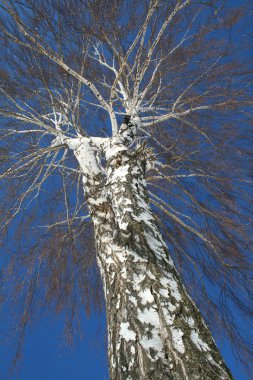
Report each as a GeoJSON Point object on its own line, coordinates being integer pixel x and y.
{"type": "Point", "coordinates": [45, 357]}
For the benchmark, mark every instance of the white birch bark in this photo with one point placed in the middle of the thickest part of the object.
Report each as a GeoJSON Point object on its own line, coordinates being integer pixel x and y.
{"type": "Point", "coordinates": [155, 330]}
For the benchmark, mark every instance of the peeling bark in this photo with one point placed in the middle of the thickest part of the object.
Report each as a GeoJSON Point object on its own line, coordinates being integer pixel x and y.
{"type": "Point", "coordinates": [154, 328]}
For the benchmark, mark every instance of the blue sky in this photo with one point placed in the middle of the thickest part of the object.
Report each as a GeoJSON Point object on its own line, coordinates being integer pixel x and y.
{"type": "Point", "coordinates": [46, 358]}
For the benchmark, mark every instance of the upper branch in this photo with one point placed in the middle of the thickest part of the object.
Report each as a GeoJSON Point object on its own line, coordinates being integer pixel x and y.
{"type": "Point", "coordinates": [51, 54]}
{"type": "Point", "coordinates": [147, 61]}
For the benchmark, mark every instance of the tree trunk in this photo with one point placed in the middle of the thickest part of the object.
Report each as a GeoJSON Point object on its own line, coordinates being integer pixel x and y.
{"type": "Point", "coordinates": [155, 330]}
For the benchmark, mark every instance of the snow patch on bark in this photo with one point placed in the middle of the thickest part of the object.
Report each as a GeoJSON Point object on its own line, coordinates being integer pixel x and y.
{"type": "Point", "coordinates": [121, 172]}
{"type": "Point", "coordinates": [145, 214]}
{"type": "Point", "coordinates": [133, 300]}
{"type": "Point", "coordinates": [109, 260]}
{"type": "Point", "coordinates": [190, 321]}
{"type": "Point", "coordinates": [150, 275]}
{"type": "Point", "coordinates": [146, 296]}
{"type": "Point", "coordinates": [164, 292]}
{"type": "Point", "coordinates": [177, 340]}
{"type": "Point", "coordinates": [202, 346]}
{"type": "Point", "coordinates": [136, 257]}
{"type": "Point", "coordinates": [168, 317]}
{"type": "Point", "coordinates": [137, 279]}
{"type": "Point", "coordinates": [149, 315]}
{"type": "Point", "coordinates": [154, 343]}
{"type": "Point", "coordinates": [145, 217]}
{"type": "Point", "coordinates": [126, 333]}
{"type": "Point", "coordinates": [86, 157]}
{"type": "Point", "coordinates": [154, 244]}
{"type": "Point", "coordinates": [123, 225]}
{"type": "Point", "coordinates": [98, 201]}
{"type": "Point", "coordinates": [171, 307]}
{"type": "Point", "coordinates": [118, 303]}
{"type": "Point", "coordinates": [170, 283]}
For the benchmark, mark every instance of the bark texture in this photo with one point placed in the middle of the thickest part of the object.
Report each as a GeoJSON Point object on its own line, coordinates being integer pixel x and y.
{"type": "Point", "coordinates": [155, 331]}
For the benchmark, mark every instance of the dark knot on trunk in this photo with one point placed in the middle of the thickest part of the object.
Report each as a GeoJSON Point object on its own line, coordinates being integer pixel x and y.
{"type": "Point", "coordinates": [126, 119]}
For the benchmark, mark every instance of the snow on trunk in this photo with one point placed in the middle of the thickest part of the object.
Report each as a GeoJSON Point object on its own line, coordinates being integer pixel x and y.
{"type": "Point", "coordinates": [155, 331]}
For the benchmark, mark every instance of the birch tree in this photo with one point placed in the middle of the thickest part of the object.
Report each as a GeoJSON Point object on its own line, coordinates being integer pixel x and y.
{"type": "Point", "coordinates": [125, 156]}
